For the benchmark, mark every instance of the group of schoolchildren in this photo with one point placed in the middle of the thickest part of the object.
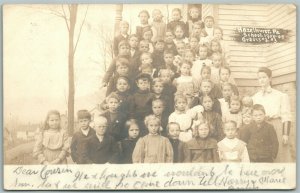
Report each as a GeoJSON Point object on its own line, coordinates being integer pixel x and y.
{"type": "Point", "coordinates": [169, 99]}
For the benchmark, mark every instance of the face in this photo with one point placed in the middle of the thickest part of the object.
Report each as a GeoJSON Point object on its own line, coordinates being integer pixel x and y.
{"type": "Point", "coordinates": [205, 74]}
{"type": "Point", "coordinates": [174, 131]}
{"type": "Point", "coordinates": [203, 130]}
{"type": "Point", "coordinates": [100, 127]}
{"type": "Point", "coordinates": [147, 35]}
{"type": "Point", "coordinates": [185, 69]}
{"type": "Point", "coordinates": [133, 42]}
{"type": "Point", "coordinates": [203, 53]}
{"type": "Point", "coordinates": [193, 43]}
{"type": "Point", "coordinates": [209, 22]}
{"type": "Point", "coordinates": [83, 123]}
{"type": "Point", "coordinates": [122, 69]}
{"type": "Point", "coordinates": [207, 103]}
{"type": "Point", "coordinates": [235, 106]}
{"type": "Point", "coordinates": [124, 29]}
{"type": "Point", "coordinates": [205, 87]}
{"type": "Point", "coordinates": [143, 18]}
{"type": "Point", "coordinates": [169, 37]}
{"type": "Point", "coordinates": [178, 33]}
{"type": "Point", "coordinates": [168, 58]}
{"type": "Point", "coordinates": [227, 91]}
{"type": "Point", "coordinates": [147, 70]}
{"type": "Point", "coordinates": [124, 50]}
{"type": "Point", "coordinates": [197, 29]}
{"type": "Point", "coordinates": [159, 46]}
{"type": "Point", "coordinates": [218, 34]}
{"type": "Point", "coordinates": [181, 105]}
{"type": "Point", "coordinates": [53, 121]}
{"type": "Point", "coordinates": [133, 131]}
{"type": "Point", "coordinates": [158, 87]}
{"type": "Point", "coordinates": [263, 79]}
{"type": "Point", "coordinates": [194, 13]}
{"type": "Point", "coordinates": [224, 75]}
{"type": "Point", "coordinates": [258, 116]}
{"type": "Point", "coordinates": [153, 126]}
{"type": "Point", "coordinates": [217, 61]}
{"type": "Point", "coordinates": [113, 104]}
{"type": "Point", "coordinates": [247, 102]}
{"type": "Point", "coordinates": [189, 56]}
{"type": "Point", "coordinates": [165, 77]}
{"type": "Point", "coordinates": [180, 49]}
{"type": "Point", "coordinates": [143, 84]}
{"type": "Point", "coordinates": [247, 118]}
{"type": "Point", "coordinates": [230, 130]}
{"type": "Point", "coordinates": [157, 15]}
{"type": "Point", "coordinates": [144, 47]}
{"type": "Point", "coordinates": [122, 85]}
{"type": "Point", "coordinates": [157, 108]}
{"type": "Point", "coordinates": [215, 47]}
{"type": "Point", "coordinates": [176, 15]}
{"type": "Point", "coordinates": [146, 59]}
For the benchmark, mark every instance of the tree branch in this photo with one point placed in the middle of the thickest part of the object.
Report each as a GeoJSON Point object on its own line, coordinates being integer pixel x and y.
{"type": "Point", "coordinates": [65, 17]}
{"type": "Point", "coordinates": [81, 28]}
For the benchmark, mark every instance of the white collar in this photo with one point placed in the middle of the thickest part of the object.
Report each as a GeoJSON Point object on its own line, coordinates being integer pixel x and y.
{"type": "Point", "coordinates": [85, 132]}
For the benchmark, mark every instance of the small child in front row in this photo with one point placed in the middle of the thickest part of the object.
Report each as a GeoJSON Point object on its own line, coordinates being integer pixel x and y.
{"type": "Point", "coordinates": [127, 145]}
{"type": "Point", "coordinates": [235, 111]}
{"type": "Point", "coordinates": [231, 149]}
{"type": "Point", "coordinates": [52, 144]}
{"type": "Point", "coordinates": [173, 135]}
{"type": "Point", "coordinates": [260, 136]}
{"type": "Point", "coordinates": [85, 132]}
{"type": "Point", "coordinates": [202, 148]}
{"type": "Point", "coordinates": [153, 148]}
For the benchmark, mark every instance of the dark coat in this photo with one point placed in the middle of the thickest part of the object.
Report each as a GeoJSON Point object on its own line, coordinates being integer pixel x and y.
{"type": "Point", "coordinates": [177, 146]}
{"type": "Point", "coordinates": [126, 147]}
{"type": "Point", "coordinates": [117, 40]}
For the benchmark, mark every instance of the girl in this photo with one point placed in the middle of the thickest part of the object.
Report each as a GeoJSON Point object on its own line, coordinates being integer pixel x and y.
{"type": "Point", "coordinates": [235, 113]}
{"type": "Point", "coordinates": [214, 91]}
{"type": "Point", "coordinates": [202, 61]}
{"type": "Point", "coordinates": [225, 101]}
{"type": "Point", "coordinates": [144, 17]}
{"type": "Point", "coordinates": [202, 148]}
{"type": "Point", "coordinates": [217, 63]}
{"type": "Point", "coordinates": [158, 25]}
{"type": "Point", "coordinates": [183, 117]}
{"type": "Point", "coordinates": [127, 145]}
{"type": "Point", "coordinates": [169, 43]}
{"type": "Point", "coordinates": [153, 148]}
{"type": "Point", "coordinates": [215, 46]}
{"type": "Point", "coordinates": [189, 55]}
{"type": "Point", "coordinates": [52, 142]}
{"type": "Point", "coordinates": [213, 118]}
{"type": "Point", "coordinates": [180, 46]}
{"type": "Point", "coordinates": [176, 20]}
{"type": "Point", "coordinates": [208, 30]}
{"type": "Point", "coordinates": [185, 77]}
{"type": "Point", "coordinates": [194, 43]}
{"type": "Point", "coordinates": [177, 145]}
{"type": "Point", "coordinates": [231, 149]}
{"type": "Point", "coordinates": [157, 89]}
{"type": "Point", "coordinates": [195, 17]}
{"type": "Point", "coordinates": [147, 35]}
{"type": "Point", "coordinates": [158, 110]}
{"type": "Point", "coordinates": [179, 35]}
{"type": "Point", "coordinates": [218, 35]}
{"type": "Point", "coordinates": [247, 119]}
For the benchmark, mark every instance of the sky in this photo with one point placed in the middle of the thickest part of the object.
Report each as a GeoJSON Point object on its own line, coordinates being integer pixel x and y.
{"type": "Point", "coordinates": [36, 57]}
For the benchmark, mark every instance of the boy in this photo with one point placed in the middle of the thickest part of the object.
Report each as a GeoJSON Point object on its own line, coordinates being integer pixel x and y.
{"type": "Point", "coordinates": [124, 26]}
{"type": "Point", "coordinates": [173, 135]}
{"type": "Point", "coordinates": [169, 43]}
{"type": "Point", "coordinates": [260, 136]}
{"type": "Point", "coordinates": [115, 118]}
{"type": "Point", "coordinates": [140, 101]}
{"type": "Point", "coordinates": [85, 132]}
{"type": "Point", "coordinates": [100, 148]}
{"type": "Point", "coordinates": [158, 54]}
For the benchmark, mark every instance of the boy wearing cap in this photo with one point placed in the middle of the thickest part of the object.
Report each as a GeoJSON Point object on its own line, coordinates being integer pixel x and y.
{"type": "Point", "coordinates": [85, 132]}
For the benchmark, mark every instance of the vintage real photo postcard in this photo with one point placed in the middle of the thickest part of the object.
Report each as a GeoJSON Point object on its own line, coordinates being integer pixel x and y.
{"type": "Point", "coordinates": [149, 96]}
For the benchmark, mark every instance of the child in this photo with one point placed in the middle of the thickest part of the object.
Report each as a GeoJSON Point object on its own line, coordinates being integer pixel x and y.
{"type": "Point", "coordinates": [158, 54]}
{"type": "Point", "coordinates": [179, 35]}
{"type": "Point", "coordinates": [153, 148]}
{"type": "Point", "coordinates": [202, 148]}
{"type": "Point", "coordinates": [194, 44]}
{"type": "Point", "coordinates": [158, 110]}
{"type": "Point", "coordinates": [100, 148]}
{"type": "Point", "coordinates": [169, 90]}
{"type": "Point", "coordinates": [247, 103]}
{"type": "Point", "coordinates": [124, 27]}
{"type": "Point", "coordinates": [180, 46]}
{"type": "Point", "coordinates": [189, 55]}
{"type": "Point", "coordinates": [208, 30]}
{"type": "Point", "coordinates": [169, 43]}
{"type": "Point", "coordinates": [218, 34]}
{"type": "Point", "coordinates": [183, 117]}
{"type": "Point", "coordinates": [134, 52]}
{"type": "Point", "coordinates": [213, 118]}
{"type": "Point", "coordinates": [157, 89]}
{"type": "Point", "coordinates": [147, 35]}
{"type": "Point", "coordinates": [260, 136]}
{"type": "Point", "coordinates": [52, 142]}
{"type": "Point", "coordinates": [225, 77]}
{"type": "Point", "coordinates": [115, 118]}
{"type": "Point", "coordinates": [158, 26]}
{"type": "Point", "coordinates": [176, 20]}
{"type": "Point", "coordinates": [217, 63]}
{"type": "Point", "coordinates": [225, 101]}
{"type": "Point", "coordinates": [195, 17]}
{"type": "Point", "coordinates": [85, 132]}
{"type": "Point", "coordinates": [127, 145]}
{"type": "Point", "coordinates": [185, 77]}
{"type": "Point", "coordinates": [168, 62]}
{"type": "Point", "coordinates": [146, 59]}
{"type": "Point", "coordinates": [144, 17]}
{"type": "Point", "coordinates": [177, 145]}
{"type": "Point", "coordinates": [235, 114]}
{"type": "Point", "coordinates": [231, 149]}
{"type": "Point", "coordinates": [247, 119]}
{"type": "Point", "coordinates": [124, 51]}
{"type": "Point", "coordinates": [215, 46]}
{"type": "Point", "coordinates": [140, 101]}
{"type": "Point", "coordinates": [202, 61]}
{"type": "Point", "coordinates": [144, 46]}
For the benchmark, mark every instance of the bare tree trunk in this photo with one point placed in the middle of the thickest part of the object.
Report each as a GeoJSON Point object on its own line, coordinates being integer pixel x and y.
{"type": "Point", "coordinates": [73, 14]}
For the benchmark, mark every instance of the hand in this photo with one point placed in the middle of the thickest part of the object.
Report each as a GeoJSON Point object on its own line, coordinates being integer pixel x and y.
{"type": "Point", "coordinates": [285, 139]}
{"type": "Point", "coordinates": [56, 161]}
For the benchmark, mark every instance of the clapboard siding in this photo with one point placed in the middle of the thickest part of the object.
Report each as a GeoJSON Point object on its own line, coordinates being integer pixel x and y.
{"type": "Point", "coordinates": [207, 10]}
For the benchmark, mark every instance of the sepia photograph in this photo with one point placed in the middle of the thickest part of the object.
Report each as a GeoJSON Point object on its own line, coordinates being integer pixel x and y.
{"type": "Point", "coordinates": [149, 96]}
